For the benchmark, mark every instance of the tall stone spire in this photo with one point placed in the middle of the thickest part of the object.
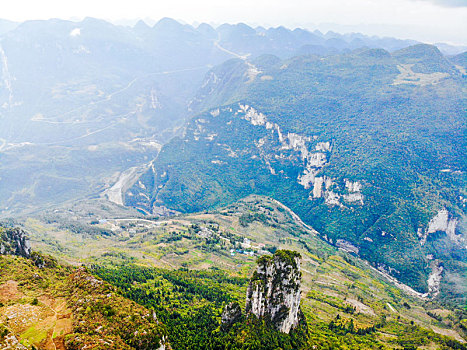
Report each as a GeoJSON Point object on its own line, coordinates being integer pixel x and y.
{"type": "Point", "coordinates": [274, 290]}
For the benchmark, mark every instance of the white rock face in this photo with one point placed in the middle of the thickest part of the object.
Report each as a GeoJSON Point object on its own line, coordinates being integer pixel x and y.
{"type": "Point", "coordinates": [307, 178]}
{"type": "Point", "coordinates": [441, 222]}
{"type": "Point", "coordinates": [274, 290]}
{"type": "Point", "coordinates": [318, 187]}
{"type": "Point", "coordinates": [252, 115]}
{"type": "Point", "coordinates": [353, 197]}
{"type": "Point", "coordinates": [317, 160]}
{"type": "Point", "coordinates": [312, 155]}
{"type": "Point", "coordinates": [232, 313]}
{"type": "Point", "coordinates": [434, 280]}
{"type": "Point", "coordinates": [210, 137]}
{"type": "Point", "coordinates": [298, 143]}
{"type": "Point", "coordinates": [353, 186]}
{"type": "Point", "coordinates": [332, 198]}
{"type": "Point", "coordinates": [323, 146]}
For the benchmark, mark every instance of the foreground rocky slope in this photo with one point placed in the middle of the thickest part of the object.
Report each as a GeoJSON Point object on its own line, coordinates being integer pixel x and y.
{"type": "Point", "coordinates": [47, 306]}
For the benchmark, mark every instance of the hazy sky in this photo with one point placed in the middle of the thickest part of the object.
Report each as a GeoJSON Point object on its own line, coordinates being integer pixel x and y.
{"type": "Point", "coordinates": [426, 20]}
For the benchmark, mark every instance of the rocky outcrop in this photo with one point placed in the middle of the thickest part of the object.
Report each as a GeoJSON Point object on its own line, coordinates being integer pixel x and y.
{"type": "Point", "coordinates": [14, 241]}
{"type": "Point", "coordinates": [347, 246]}
{"type": "Point", "coordinates": [231, 314]}
{"type": "Point", "coordinates": [274, 290]}
{"type": "Point", "coordinates": [311, 156]}
{"type": "Point", "coordinates": [443, 221]}
{"type": "Point", "coordinates": [434, 280]}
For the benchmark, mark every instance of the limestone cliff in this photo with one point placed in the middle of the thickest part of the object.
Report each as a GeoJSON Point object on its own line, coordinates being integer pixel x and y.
{"type": "Point", "coordinates": [231, 314]}
{"type": "Point", "coordinates": [14, 241]}
{"type": "Point", "coordinates": [274, 290]}
{"type": "Point", "coordinates": [445, 222]}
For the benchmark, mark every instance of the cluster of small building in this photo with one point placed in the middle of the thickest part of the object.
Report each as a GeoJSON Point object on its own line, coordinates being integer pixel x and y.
{"type": "Point", "coordinates": [241, 251]}
{"type": "Point", "coordinates": [249, 249]}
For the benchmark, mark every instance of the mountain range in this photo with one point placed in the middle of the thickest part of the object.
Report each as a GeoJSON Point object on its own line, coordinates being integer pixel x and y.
{"type": "Point", "coordinates": [362, 138]}
{"type": "Point", "coordinates": [105, 94]}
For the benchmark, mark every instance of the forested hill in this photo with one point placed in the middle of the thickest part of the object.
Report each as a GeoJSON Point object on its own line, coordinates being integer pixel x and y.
{"type": "Point", "coordinates": [367, 147]}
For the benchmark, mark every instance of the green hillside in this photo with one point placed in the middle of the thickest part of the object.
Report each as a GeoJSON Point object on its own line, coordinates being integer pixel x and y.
{"type": "Point", "coordinates": [188, 267]}
{"type": "Point", "coordinates": [368, 148]}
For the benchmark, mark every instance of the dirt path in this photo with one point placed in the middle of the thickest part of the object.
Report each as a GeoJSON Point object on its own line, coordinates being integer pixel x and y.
{"type": "Point", "coordinates": [133, 219]}
{"type": "Point", "coordinates": [216, 44]}
{"type": "Point", "coordinates": [253, 71]}
{"type": "Point", "coordinates": [400, 285]}
{"type": "Point", "coordinates": [53, 329]}
{"type": "Point", "coordinates": [391, 308]}
{"type": "Point", "coordinates": [62, 323]}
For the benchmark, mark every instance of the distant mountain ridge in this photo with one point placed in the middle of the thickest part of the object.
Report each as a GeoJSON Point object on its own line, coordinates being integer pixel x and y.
{"type": "Point", "coordinates": [109, 94]}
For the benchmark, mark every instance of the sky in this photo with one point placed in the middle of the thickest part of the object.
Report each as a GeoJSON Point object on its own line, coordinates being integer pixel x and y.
{"type": "Point", "coordinates": [425, 20]}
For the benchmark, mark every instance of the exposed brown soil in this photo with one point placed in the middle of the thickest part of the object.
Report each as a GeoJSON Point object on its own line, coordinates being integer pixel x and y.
{"type": "Point", "coordinates": [9, 292]}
